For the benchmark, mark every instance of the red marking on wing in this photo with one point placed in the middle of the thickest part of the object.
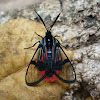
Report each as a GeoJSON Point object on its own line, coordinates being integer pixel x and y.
{"type": "Point", "coordinates": [46, 52]}
{"type": "Point", "coordinates": [53, 78]}
{"type": "Point", "coordinates": [52, 52]}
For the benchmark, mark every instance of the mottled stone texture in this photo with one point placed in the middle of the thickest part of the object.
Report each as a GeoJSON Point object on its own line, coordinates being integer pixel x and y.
{"type": "Point", "coordinates": [79, 28]}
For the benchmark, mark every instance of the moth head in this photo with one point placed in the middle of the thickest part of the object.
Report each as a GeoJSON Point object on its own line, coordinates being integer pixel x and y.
{"type": "Point", "coordinates": [48, 32]}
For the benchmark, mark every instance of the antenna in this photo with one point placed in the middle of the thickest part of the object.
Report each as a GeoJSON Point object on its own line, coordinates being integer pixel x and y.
{"type": "Point", "coordinates": [61, 4]}
{"type": "Point", "coordinates": [55, 20]}
{"type": "Point", "coordinates": [61, 8]}
{"type": "Point", "coordinates": [40, 19]}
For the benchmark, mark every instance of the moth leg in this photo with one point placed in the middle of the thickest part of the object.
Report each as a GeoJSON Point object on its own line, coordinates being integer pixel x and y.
{"type": "Point", "coordinates": [56, 36]}
{"type": "Point", "coordinates": [33, 45]}
{"type": "Point", "coordinates": [39, 35]}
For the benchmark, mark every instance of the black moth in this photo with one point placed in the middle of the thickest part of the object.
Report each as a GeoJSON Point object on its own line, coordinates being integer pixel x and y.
{"type": "Point", "coordinates": [49, 61]}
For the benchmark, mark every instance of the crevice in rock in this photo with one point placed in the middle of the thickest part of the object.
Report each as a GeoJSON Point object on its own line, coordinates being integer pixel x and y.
{"type": "Point", "coordinates": [91, 40]}
{"type": "Point", "coordinates": [83, 92]}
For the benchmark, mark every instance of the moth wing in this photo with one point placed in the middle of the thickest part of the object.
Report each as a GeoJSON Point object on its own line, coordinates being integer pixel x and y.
{"type": "Point", "coordinates": [66, 70]}
{"type": "Point", "coordinates": [33, 75]}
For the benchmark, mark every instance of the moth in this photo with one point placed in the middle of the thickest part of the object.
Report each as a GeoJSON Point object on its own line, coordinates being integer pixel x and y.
{"type": "Point", "coordinates": [51, 61]}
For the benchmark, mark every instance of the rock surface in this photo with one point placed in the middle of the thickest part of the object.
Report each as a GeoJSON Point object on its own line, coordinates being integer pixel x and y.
{"type": "Point", "coordinates": [79, 29]}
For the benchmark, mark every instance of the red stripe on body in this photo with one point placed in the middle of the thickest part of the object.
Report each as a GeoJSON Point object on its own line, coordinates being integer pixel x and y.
{"type": "Point", "coordinates": [53, 78]}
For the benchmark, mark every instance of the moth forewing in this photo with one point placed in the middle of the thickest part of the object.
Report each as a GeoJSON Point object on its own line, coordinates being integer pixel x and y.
{"type": "Point", "coordinates": [33, 72]}
{"type": "Point", "coordinates": [67, 71]}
